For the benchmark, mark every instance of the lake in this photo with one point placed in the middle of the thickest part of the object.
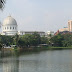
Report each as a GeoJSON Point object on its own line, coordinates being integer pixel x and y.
{"type": "Point", "coordinates": [44, 61]}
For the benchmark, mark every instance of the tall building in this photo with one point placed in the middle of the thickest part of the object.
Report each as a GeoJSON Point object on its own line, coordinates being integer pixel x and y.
{"type": "Point", "coordinates": [70, 25]}
{"type": "Point", "coordinates": [9, 26]}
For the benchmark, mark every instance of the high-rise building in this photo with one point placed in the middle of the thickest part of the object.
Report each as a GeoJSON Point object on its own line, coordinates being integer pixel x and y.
{"type": "Point", "coordinates": [70, 25]}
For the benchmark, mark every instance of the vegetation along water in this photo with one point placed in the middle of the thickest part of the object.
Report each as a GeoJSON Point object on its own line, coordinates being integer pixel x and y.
{"type": "Point", "coordinates": [29, 41]}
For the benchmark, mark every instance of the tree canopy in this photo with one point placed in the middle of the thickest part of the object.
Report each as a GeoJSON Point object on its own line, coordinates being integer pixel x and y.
{"type": "Point", "coordinates": [29, 40]}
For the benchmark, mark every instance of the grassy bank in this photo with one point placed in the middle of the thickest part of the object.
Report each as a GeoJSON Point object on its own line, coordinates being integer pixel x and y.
{"type": "Point", "coordinates": [51, 48]}
{"type": "Point", "coordinates": [38, 49]}
{"type": "Point", "coordinates": [35, 49]}
{"type": "Point", "coordinates": [60, 48]}
{"type": "Point", "coordinates": [17, 51]}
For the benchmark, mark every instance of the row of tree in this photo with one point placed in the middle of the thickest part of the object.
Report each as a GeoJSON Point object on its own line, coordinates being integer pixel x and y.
{"type": "Point", "coordinates": [26, 40]}
{"type": "Point", "coordinates": [62, 40]}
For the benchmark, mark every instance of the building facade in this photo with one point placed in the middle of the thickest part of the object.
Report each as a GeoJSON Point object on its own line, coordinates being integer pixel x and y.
{"type": "Point", "coordinates": [9, 26]}
{"type": "Point", "coordinates": [63, 29]}
{"type": "Point", "coordinates": [41, 33]}
{"type": "Point", "coordinates": [70, 25]}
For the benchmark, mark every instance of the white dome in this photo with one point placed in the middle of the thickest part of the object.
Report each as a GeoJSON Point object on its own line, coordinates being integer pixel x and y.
{"type": "Point", "coordinates": [9, 21]}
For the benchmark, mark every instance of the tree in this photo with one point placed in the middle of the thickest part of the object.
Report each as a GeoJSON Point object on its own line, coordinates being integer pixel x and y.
{"type": "Point", "coordinates": [0, 46]}
{"type": "Point", "coordinates": [57, 40]}
{"type": "Point", "coordinates": [2, 4]}
{"type": "Point", "coordinates": [21, 43]}
{"type": "Point", "coordinates": [36, 39]}
{"type": "Point", "coordinates": [6, 40]}
{"type": "Point", "coordinates": [27, 39]}
{"type": "Point", "coordinates": [16, 38]}
{"type": "Point", "coordinates": [67, 40]}
{"type": "Point", "coordinates": [44, 40]}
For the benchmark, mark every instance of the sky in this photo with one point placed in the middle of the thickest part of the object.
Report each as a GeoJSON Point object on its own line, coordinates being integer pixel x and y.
{"type": "Point", "coordinates": [38, 15]}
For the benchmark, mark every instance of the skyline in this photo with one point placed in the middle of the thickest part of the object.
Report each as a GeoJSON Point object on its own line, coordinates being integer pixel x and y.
{"type": "Point", "coordinates": [38, 15]}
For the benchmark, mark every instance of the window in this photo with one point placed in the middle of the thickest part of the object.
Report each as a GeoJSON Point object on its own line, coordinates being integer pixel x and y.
{"type": "Point", "coordinates": [10, 27]}
{"type": "Point", "coordinates": [13, 27]}
{"type": "Point", "coordinates": [7, 27]}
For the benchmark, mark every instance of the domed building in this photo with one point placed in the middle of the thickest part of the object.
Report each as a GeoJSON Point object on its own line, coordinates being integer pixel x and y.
{"type": "Point", "coordinates": [9, 26]}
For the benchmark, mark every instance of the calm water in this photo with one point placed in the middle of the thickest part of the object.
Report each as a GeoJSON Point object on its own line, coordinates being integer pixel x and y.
{"type": "Point", "coordinates": [45, 61]}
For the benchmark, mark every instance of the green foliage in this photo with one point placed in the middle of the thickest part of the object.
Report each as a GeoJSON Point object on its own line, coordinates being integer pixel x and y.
{"type": "Point", "coordinates": [44, 40]}
{"type": "Point", "coordinates": [21, 43]}
{"type": "Point", "coordinates": [36, 39]}
{"type": "Point", "coordinates": [64, 40]}
{"type": "Point", "coordinates": [0, 45]}
{"type": "Point", "coordinates": [16, 39]}
{"type": "Point", "coordinates": [7, 40]}
{"type": "Point", "coordinates": [2, 3]}
{"type": "Point", "coordinates": [27, 38]}
{"type": "Point", "coordinates": [67, 42]}
{"type": "Point", "coordinates": [57, 40]}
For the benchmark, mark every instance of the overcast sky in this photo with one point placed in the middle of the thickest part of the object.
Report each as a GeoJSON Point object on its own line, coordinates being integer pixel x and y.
{"type": "Point", "coordinates": [38, 15]}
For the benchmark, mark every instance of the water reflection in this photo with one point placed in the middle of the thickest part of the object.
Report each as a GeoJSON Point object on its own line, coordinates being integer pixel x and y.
{"type": "Point", "coordinates": [46, 61]}
{"type": "Point", "coordinates": [10, 62]}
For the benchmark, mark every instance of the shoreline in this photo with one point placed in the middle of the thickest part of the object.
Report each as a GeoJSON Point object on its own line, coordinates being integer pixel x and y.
{"type": "Point", "coordinates": [38, 48]}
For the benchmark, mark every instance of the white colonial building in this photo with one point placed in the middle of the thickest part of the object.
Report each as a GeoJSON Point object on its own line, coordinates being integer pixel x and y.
{"type": "Point", "coordinates": [9, 26]}
{"type": "Point", "coordinates": [41, 33]}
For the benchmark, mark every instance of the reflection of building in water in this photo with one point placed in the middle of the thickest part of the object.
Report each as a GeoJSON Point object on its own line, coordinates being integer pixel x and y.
{"type": "Point", "coordinates": [10, 64]}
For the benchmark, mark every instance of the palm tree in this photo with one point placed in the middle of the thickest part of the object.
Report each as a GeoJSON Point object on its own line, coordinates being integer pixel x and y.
{"type": "Point", "coordinates": [2, 3]}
